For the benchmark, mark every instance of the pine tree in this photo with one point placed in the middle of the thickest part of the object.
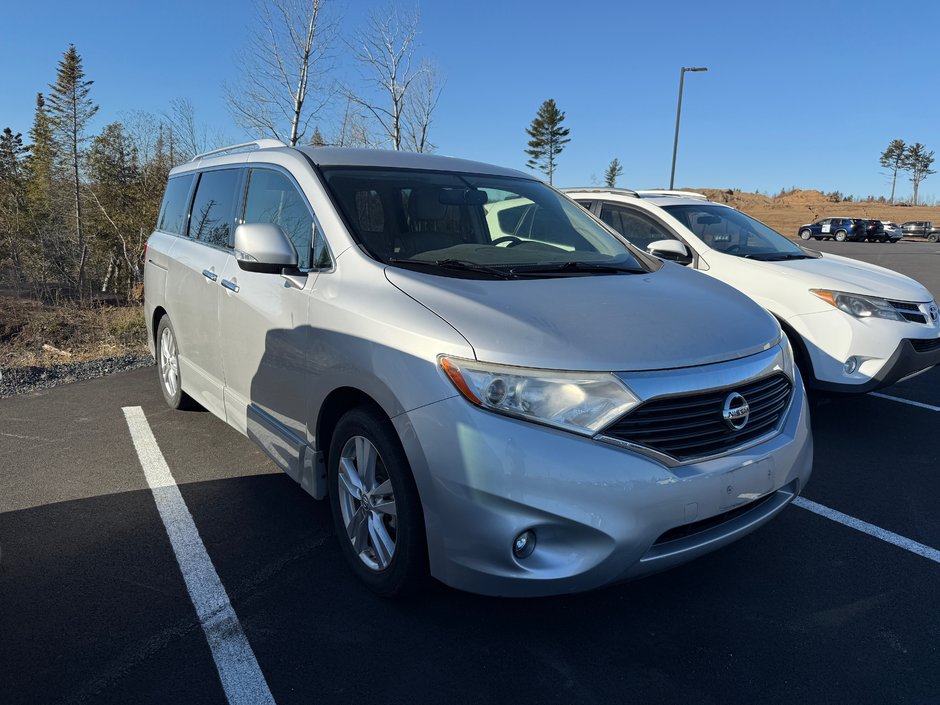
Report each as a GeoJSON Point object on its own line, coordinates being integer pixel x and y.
{"type": "Point", "coordinates": [317, 139]}
{"type": "Point", "coordinates": [917, 162]}
{"type": "Point", "coordinates": [12, 200]}
{"type": "Point", "coordinates": [70, 110]}
{"type": "Point", "coordinates": [893, 159]}
{"type": "Point", "coordinates": [614, 171]}
{"type": "Point", "coordinates": [41, 162]}
{"type": "Point", "coordinates": [548, 139]}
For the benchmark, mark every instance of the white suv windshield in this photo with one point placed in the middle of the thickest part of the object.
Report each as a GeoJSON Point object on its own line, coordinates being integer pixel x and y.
{"type": "Point", "coordinates": [734, 233]}
{"type": "Point", "coordinates": [474, 225]}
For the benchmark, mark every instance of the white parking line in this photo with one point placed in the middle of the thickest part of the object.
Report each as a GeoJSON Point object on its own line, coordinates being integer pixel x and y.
{"type": "Point", "coordinates": [931, 554]}
{"type": "Point", "coordinates": [238, 668]}
{"type": "Point", "coordinates": [905, 401]}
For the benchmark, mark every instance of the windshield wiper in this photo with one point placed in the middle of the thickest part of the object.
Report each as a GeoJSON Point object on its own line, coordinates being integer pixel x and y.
{"type": "Point", "coordinates": [575, 268]}
{"type": "Point", "coordinates": [458, 264]}
{"type": "Point", "coordinates": [775, 256]}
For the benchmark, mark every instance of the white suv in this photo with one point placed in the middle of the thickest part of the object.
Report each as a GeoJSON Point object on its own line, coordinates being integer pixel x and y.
{"type": "Point", "coordinates": [855, 326]}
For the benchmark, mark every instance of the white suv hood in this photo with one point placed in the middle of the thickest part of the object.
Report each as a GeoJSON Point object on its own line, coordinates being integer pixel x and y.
{"type": "Point", "coordinates": [831, 272]}
{"type": "Point", "coordinates": [666, 319]}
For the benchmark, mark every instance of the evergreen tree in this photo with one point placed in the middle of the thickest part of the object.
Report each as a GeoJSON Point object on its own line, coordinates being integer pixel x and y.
{"type": "Point", "coordinates": [115, 190]}
{"type": "Point", "coordinates": [893, 159]}
{"type": "Point", "coordinates": [12, 200]}
{"type": "Point", "coordinates": [317, 139]}
{"type": "Point", "coordinates": [70, 109]}
{"type": "Point", "coordinates": [41, 162]}
{"type": "Point", "coordinates": [548, 139]}
{"type": "Point", "coordinates": [917, 162]}
{"type": "Point", "coordinates": [614, 171]}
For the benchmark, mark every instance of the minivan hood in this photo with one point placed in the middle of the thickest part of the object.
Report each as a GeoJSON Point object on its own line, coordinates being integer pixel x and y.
{"type": "Point", "coordinates": [673, 317]}
{"type": "Point", "coordinates": [848, 275]}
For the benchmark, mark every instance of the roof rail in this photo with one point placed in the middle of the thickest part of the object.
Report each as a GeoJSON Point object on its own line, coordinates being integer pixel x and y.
{"type": "Point", "coordinates": [600, 189]}
{"type": "Point", "coordinates": [244, 147]}
{"type": "Point", "coordinates": [654, 192]}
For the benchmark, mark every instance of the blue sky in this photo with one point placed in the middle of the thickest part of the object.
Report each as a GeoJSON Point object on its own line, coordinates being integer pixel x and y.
{"type": "Point", "coordinates": [799, 93]}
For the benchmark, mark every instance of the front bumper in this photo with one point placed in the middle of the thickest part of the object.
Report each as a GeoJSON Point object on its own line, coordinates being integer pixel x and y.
{"type": "Point", "coordinates": [601, 514]}
{"type": "Point", "coordinates": [886, 349]}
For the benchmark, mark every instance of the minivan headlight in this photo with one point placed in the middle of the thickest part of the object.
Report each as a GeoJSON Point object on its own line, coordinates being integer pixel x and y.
{"type": "Point", "coordinates": [583, 402]}
{"type": "Point", "coordinates": [858, 305]}
{"type": "Point", "coordinates": [788, 362]}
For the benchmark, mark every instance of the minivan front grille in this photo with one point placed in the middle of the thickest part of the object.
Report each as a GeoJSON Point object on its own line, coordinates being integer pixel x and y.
{"type": "Point", "coordinates": [910, 312]}
{"type": "Point", "coordinates": [692, 426]}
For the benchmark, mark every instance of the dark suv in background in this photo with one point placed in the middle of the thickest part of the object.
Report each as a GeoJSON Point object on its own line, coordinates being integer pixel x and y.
{"type": "Point", "coordinates": [839, 228]}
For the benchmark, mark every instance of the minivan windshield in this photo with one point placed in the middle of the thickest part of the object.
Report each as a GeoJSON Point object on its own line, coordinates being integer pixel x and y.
{"type": "Point", "coordinates": [475, 225]}
{"type": "Point", "coordinates": [732, 232]}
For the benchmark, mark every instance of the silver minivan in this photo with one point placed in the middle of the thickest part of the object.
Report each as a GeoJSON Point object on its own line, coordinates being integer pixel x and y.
{"type": "Point", "coordinates": [513, 416]}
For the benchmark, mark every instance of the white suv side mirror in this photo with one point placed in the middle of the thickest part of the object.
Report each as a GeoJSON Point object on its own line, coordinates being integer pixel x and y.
{"type": "Point", "coordinates": [672, 250]}
{"type": "Point", "coordinates": [263, 247]}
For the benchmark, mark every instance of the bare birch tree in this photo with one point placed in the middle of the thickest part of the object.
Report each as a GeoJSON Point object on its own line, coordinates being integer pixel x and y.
{"type": "Point", "coordinates": [402, 96]}
{"type": "Point", "coordinates": [191, 136]}
{"type": "Point", "coordinates": [283, 67]}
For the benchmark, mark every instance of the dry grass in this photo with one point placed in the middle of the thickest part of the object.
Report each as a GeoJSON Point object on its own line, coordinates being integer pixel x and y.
{"type": "Point", "coordinates": [788, 212]}
{"type": "Point", "coordinates": [78, 333]}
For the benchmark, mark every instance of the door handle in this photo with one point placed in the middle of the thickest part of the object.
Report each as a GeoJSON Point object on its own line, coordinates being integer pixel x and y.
{"type": "Point", "coordinates": [211, 276]}
{"type": "Point", "coordinates": [231, 286]}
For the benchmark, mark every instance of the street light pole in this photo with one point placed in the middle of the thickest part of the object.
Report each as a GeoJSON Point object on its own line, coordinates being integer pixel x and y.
{"type": "Point", "coordinates": [675, 143]}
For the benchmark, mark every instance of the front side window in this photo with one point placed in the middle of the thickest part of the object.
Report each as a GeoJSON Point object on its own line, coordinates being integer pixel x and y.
{"type": "Point", "coordinates": [474, 225]}
{"type": "Point", "coordinates": [732, 232]}
{"type": "Point", "coordinates": [214, 207]}
{"type": "Point", "coordinates": [273, 198]}
{"type": "Point", "coordinates": [639, 230]}
{"type": "Point", "coordinates": [172, 217]}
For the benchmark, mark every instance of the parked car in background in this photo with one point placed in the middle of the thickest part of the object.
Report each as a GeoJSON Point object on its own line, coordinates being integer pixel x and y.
{"type": "Point", "coordinates": [840, 229]}
{"type": "Point", "coordinates": [855, 326]}
{"type": "Point", "coordinates": [921, 228]}
{"type": "Point", "coordinates": [517, 402]}
{"type": "Point", "coordinates": [893, 231]}
{"type": "Point", "coordinates": [873, 231]}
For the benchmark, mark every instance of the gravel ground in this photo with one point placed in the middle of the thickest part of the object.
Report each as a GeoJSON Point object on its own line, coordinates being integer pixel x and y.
{"type": "Point", "coordinates": [20, 380]}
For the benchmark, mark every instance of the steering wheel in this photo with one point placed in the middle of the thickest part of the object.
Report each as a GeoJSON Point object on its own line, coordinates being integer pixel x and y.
{"type": "Point", "coordinates": [511, 239]}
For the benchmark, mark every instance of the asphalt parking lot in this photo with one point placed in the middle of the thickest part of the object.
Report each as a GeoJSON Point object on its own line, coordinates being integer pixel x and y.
{"type": "Point", "coordinates": [94, 607]}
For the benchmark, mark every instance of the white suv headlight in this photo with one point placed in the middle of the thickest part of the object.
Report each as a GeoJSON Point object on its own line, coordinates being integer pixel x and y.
{"type": "Point", "coordinates": [858, 305]}
{"type": "Point", "coordinates": [583, 402]}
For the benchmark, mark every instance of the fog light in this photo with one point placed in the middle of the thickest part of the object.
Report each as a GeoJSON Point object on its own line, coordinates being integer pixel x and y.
{"type": "Point", "coordinates": [850, 365]}
{"type": "Point", "coordinates": [524, 544]}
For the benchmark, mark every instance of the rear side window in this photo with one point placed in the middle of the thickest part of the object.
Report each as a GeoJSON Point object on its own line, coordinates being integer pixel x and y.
{"type": "Point", "coordinates": [273, 198]}
{"type": "Point", "coordinates": [214, 207]}
{"type": "Point", "coordinates": [638, 230]}
{"type": "Point", "coordinates": [172, 217]}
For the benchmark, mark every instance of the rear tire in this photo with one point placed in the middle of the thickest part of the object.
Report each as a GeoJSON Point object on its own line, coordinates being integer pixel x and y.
{"type": "Point", "coordinates": [840, 235]}
{"type": "Point", "coordinates": [168, 367]}
{"type": "Point", "coordinates": [376, 510]}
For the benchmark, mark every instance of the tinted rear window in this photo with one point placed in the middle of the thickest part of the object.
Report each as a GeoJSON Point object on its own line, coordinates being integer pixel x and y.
{"type": "Point", "coordinates": [214, 207]}
{"type": "Point", "coordinates": [173, 209]}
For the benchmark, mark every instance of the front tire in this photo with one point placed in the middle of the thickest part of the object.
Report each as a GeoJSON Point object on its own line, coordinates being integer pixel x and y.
{"type": "Point", "coordinates": [840, 235]}
{"type": "Point", "coordinates": [168, 367]}
{"type": "Point", "coordinates": [805, 234]}
{"type": "Point", "coordinates": [376, 509]}
{"type": "Point", "coordinates": [933, 237]}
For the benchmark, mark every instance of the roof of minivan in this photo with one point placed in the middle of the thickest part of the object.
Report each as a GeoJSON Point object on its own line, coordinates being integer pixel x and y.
{"type": "Point", "coordinates": [663, 201]}
{"type": "Point", "coordinates": [345, 156]}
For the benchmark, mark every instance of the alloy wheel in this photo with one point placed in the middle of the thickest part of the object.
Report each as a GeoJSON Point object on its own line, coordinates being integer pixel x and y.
{"type": "Point", "coordinates": [169, 363]}
{"type": "Point", "coordinates": [367, 503]}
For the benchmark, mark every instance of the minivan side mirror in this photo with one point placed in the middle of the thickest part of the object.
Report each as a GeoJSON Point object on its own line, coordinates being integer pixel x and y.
{"type": "Point", "coordinates": [671, 250]}
{"type": "Point", "coordinates": [263, 247]}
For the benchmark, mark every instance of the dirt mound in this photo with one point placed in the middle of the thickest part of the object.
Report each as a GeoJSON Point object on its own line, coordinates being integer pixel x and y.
{"type": "Point", "coordinates": [799, 197]}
